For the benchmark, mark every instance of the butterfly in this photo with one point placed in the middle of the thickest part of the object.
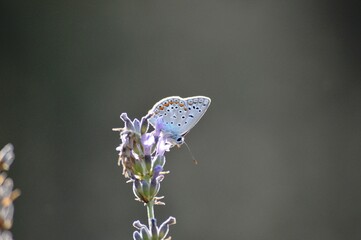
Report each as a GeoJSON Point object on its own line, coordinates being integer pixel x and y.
{"type": "Point", "coordinates": [177, 116]}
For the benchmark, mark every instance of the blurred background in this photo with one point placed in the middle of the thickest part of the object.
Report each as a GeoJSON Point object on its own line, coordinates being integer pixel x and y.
{"type": "Point", "coordinates": [279, 149]}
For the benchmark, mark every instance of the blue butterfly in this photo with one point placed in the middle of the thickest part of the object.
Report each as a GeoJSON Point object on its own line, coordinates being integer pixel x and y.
{"type": "Point", "coordinates": [176, 116]}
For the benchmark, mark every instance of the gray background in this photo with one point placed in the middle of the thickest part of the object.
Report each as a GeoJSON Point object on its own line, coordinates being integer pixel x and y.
{"type": "Point", "coordinates": [279, 148]}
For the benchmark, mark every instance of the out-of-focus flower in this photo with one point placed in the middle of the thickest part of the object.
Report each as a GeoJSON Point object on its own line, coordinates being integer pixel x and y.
{"type": "Point", "coordinates": [7, 157]}
{"type": "Point", "coordinates": [5, 235]}
{"type": "Point", "coordinates": [7, 193]}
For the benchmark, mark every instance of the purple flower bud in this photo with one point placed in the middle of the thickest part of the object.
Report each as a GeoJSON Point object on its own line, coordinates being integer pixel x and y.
{"type": "Point", "coordinates": [163, 231]}
{"type": "Point", "coordinates": [126, 120]}
{"type": "Point", "coordinates": [146, 191]}
{"type": "Point", "coordinates": [159, 160]}
{"type": "Point", "coordinates": [147, 141]}
{"type": "Point", "coordinates": [136, 236]}
{"type": "Point", "coordinates": [160, 178]}
{"type": "Point", "coordinates": [154, 184]}
{"type": "Point", "coordinates": [156, 171]}
{"type": "Point", "coordinates": [138, 225]}
{"type": "Point", "coordinates": [162, 146]}
{"type": "Point", "coordinates": [138, 168]}
{"type": "Point", "coordinates": [154, 228]}
{"type": "Point", "coordinates": [145, 234]}
{"type": "Point", "coordinates": [154, 188]}
{"type": "Point", "coordinates": [164, 228]}
{"type": "Point", "coordinates": [137, 189]}
{"type": "Point", "coordinates": [136, 125]}
{"type": "Point", "coordinates": [158, 126]}
{"type": "Point", "coordinates": [144, 125]}
{"type": "Point", "coordinates": [148, 162]}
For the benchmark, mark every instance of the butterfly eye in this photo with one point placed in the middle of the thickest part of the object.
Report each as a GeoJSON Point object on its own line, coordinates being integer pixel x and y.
{"type": "Point", "coordinates": [180, 140]}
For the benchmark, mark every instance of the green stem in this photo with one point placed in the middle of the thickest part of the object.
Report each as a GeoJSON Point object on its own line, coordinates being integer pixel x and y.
{"type": "Point", "coordinates": [150, 211]}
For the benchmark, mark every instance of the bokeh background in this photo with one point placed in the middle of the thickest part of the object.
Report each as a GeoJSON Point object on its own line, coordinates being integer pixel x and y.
{"type": "Point", "coordinates": [279, 149]}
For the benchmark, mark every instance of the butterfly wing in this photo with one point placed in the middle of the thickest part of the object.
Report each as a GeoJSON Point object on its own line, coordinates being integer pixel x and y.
{"type": "Point", "coordinates": [179, 115]}
{"type": "Point", "coordinates": [196, 108]}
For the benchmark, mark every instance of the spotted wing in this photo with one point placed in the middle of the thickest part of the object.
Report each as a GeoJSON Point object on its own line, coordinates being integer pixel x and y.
{"type": "Point", "coordinates": [179, 115]}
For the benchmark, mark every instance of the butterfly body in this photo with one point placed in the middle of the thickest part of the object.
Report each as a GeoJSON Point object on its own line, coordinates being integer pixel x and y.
{"type": "Point", "coordinates": [176, 116]}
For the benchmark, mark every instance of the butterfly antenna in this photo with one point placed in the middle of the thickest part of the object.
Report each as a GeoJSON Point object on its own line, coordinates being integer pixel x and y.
{"type": "Point", "coordinates": [190, 152]}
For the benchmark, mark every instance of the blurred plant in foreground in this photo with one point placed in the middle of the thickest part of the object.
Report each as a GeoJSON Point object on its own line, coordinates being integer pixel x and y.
{"type": "Point", "coordinates": [7, 194]}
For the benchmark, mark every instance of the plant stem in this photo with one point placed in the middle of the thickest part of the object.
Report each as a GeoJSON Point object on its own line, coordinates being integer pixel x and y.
{"type": "Point", "coordinates": [150, 211]}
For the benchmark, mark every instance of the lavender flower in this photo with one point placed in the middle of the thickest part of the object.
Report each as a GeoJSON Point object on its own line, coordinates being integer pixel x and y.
{"type": "Point", "coordinates": [141, 153]}
{"type": "Point", "coordinates": [7, 193]}
{"type": "Point", "coordinates": [6, 235]}
{"type": "Point", "coordinates": [6, 157]}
